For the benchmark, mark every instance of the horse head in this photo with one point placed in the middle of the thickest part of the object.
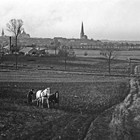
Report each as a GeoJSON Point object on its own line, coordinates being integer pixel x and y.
{"type": "Point", "coordinates": [57, 94]}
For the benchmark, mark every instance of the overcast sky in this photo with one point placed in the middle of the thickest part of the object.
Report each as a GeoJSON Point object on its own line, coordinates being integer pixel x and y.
{"type": "Point", "coordinates": [103, 19]}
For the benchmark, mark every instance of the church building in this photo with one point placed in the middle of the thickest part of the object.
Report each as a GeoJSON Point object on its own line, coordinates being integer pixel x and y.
{"type": "Point", "coordinates": [23, 34]}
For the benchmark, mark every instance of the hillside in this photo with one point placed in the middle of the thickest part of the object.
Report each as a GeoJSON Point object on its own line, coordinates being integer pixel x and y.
{"type": "Point", "coordinates": [122, 121]}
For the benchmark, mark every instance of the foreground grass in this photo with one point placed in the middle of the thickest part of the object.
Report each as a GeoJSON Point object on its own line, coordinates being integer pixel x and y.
{"type": "Point", "coordinates": [80, 103]}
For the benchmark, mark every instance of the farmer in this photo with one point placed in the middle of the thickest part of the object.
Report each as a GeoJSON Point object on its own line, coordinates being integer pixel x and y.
{"type": "Point", "coordinates": [29, 96]}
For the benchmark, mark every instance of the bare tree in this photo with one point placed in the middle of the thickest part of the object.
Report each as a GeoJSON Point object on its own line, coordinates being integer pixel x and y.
{"type": "Point", "coordinates": [56, 44]}
{"type": "Point", "coordinates": [109, 53]}
{"type": "Point", "coordinates": [63, 52]}
{"type": "Point", "coordinates": [1, 53]}
{"type": "Point", "coordinates": [15, 27]}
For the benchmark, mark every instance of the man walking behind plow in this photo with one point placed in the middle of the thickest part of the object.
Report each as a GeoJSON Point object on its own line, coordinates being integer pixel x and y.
{"type": "Point", "coordinates": [29, 96]}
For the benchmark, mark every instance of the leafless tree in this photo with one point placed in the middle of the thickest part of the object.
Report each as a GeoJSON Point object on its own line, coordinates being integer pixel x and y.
{"type": "Point", "coordinates": [15, 27]}
{"type": "Point", "coordinates": [109, 53]}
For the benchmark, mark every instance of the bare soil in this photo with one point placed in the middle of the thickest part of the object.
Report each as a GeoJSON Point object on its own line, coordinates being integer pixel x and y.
{"type": "Point", "coordinates": [80, 104]}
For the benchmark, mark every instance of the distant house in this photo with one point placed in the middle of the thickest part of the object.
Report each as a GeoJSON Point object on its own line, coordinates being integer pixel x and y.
{"type": "Point", "coordinates": [29, 51]}
{"type": "Point", "coordinates": [41, 50]}
{"type": "Point", "coordinates": [6, 49]}
{"type": "Point", "coordinates": [24, 35]}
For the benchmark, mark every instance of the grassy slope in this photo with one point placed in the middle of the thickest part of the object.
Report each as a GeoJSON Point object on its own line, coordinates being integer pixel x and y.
{"type": "Point", "coordinates": [99, 128]}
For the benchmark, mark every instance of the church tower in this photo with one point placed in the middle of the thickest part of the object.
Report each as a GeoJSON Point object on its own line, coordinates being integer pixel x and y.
{"type": "Point", "coordinates": [82, 35]}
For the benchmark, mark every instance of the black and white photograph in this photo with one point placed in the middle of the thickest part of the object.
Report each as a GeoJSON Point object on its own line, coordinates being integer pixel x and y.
{"type": "Point", "coordinates": [69, 69]}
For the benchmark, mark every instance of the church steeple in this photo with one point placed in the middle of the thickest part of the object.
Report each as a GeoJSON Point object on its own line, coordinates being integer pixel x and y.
{"type": "Point", "coordinates": [82, 34]}
{"type": "Point", "coordinates": [82, 31]}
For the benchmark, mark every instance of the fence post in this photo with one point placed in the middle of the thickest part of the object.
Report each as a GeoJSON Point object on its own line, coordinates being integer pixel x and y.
{"type": "Point", "coordinates": [129, 66]}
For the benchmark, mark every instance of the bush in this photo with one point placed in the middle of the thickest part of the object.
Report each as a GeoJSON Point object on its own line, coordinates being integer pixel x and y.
{"type": "Point", "coordinates": [62, 53]}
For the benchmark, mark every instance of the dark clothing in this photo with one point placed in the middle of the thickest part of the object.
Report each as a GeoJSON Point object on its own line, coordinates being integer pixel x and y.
{"type": "Point", "coordinates": [29, 97]}
{"type": "Point", "coordinates": [54, 98]}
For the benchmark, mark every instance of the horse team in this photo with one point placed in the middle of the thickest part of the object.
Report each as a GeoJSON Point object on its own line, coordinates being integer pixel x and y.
{"type": "Point", "coordinates": [45, 96]}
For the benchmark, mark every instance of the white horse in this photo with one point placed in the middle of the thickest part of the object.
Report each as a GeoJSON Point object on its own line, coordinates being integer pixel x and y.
{"type": "Point", "coordinates": [41, 96]}
{"type": "Point", "coordinates": [137, 70]}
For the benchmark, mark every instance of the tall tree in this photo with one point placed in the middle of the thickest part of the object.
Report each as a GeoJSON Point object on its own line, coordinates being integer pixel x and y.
{"type": "Point", "coordinates": [63, 52]}
{"type": "Point", "coordinates": [15, 27]}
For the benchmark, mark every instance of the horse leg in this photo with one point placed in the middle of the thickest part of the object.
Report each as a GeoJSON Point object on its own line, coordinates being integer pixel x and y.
{"type": "Point", "coordinates": [48, 103]}
{"type": "Point", "coordinates": [42, 102]}
{"type": "Point", "coordinates": [57, 102]}
{"type": "Point", "coordinates": [37, 102]}
{"type": "Point", "coordinates": [53, 104]}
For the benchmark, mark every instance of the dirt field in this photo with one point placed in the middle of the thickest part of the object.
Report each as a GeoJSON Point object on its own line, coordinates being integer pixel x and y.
{"type": "Point", "coordinates": [51, 76]}
{"type": "Point", "coordinates": [82, 99]}
{"type": "Point", "coordinates": [123, 55]}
